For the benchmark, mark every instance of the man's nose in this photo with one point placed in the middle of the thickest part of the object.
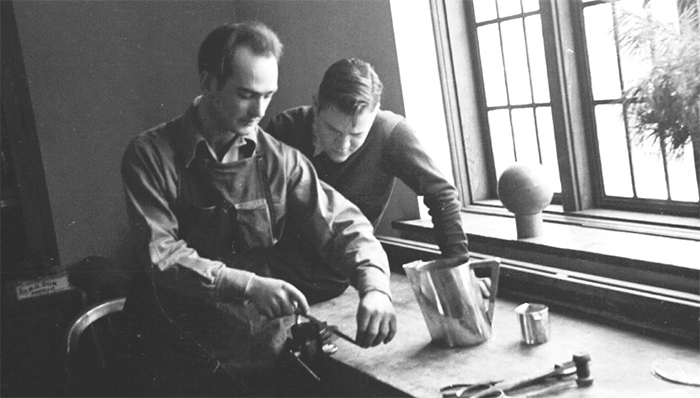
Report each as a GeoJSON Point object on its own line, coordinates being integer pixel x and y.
{"type": "Point", "coordinates": [342, 141]}
{"type": "Point", "coordinates": [258, 107]}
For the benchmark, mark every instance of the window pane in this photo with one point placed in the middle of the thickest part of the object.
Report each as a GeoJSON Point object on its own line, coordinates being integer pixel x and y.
{"type": "Point", "coordinates": [681, 175]}
{"type": "Point", "coordinates": [545, 131]}
{"type": "Point", "coordinates": [663, 10]}
{"type": "Point", "coordinates": [492, 65]}
{"type": "Point", "coordinates": [501, 140]}
{"type": "Point", "coordinates": [516, 62]}
{"type": "Point", "coordinates": [484, 10]}
{"type": "Point", "coordinates": [508, 7]}
{"type": "Point", "coordinates": [648, 168]}
{"type": "Point", "coordinates": [634, 64]}
{"type": "Point", "coordinates": [526, 149]}
{"type": "Point", "coordinates": [531, 5]}
{"type": "Point", "coordinates": [634, 67]}
{"type": "Point", "coordinates": [602, 54]}
{"type": "Point", "coordinates": [612, 143]}
{"type": "Point", "coordinates": [538, 66]}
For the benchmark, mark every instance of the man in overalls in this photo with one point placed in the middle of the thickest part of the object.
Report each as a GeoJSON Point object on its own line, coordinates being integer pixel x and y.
{"type": "Point", "coordinates": [208, 196]}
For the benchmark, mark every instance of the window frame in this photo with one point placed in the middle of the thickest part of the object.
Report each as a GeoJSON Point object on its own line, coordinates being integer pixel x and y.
{"type": "Point", "coordinates": [573, 115]}
{"type": "Point", "coordinates": [573, 14]}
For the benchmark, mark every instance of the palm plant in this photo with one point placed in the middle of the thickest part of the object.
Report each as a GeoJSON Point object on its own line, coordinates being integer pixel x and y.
{"type": "Point", "coordinates": [664, 105]}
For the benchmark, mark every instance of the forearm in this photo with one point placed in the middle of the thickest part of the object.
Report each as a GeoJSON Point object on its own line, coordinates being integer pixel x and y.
{"type": "Point", "coordinates": [340, 232]}
{"type": "Point", "coordinates": [175, 266]}
{"type": "Point", "coordinates": [354, 246]}
{"type": "Point", "coordinates": [369, 266]}
{"type": "Point", "coordinates": [409, 162]}
{"type": "Point", "coordinates": [444, 210]}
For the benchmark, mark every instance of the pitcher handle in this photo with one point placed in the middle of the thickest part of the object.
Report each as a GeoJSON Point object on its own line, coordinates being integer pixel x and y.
{"type": "Point", "coordinates": [495, 265]}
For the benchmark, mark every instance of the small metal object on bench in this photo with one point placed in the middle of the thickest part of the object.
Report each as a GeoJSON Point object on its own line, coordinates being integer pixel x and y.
{"type": "Point", "coordinates": [330, 328]}
{"type": "Point", "coordinates": [579, 365]}
{"type": "Point", "coordinates": [677, 370]}
{"type": "Point", "coordinates": [305, 346]}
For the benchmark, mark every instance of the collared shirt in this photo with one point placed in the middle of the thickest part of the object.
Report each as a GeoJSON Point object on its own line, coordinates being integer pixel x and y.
{"type": "Point", "coordinates": [161, 191]}
{"type": "Point", "coordinates": [233, 153]}
{"type": "Point", "coordinates": [240, 148]}
{"type": "Point", "coordinates": [194, 143]}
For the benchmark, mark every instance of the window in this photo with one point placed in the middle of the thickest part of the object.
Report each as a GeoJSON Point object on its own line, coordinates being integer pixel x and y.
{"type": "Point", "coordinates": [516, 91]}
{"type": "Point", "coordinates": [547, 80]}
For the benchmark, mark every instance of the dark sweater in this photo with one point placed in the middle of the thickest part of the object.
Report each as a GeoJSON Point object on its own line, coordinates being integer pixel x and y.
{"type": "Point", "coordinates": [367, 177]}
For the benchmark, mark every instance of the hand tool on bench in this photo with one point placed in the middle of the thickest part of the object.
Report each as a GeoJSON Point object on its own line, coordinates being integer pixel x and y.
{"type": "Point", "coordinates": [330, 328]}
{"type": "Point", "coordinates": [466, 389]}
{"type": "Point", "coordinates": [579, 364]}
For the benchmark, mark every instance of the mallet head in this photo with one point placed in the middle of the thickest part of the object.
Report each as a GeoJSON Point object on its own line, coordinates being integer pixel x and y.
{"type": "Point", "coordinates": [583, 370]}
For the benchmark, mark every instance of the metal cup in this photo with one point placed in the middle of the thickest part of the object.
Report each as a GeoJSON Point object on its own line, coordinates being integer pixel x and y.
{"type": "Point", "coordinates": [534, 323]}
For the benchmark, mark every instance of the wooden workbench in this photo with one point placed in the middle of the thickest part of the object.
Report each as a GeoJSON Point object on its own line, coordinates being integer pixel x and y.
{"type": "Point", "coordinates": [413, 366]}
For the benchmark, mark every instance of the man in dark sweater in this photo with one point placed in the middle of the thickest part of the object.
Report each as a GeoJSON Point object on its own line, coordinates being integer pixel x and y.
{"type": "Point", "coordinates": [360, 150]}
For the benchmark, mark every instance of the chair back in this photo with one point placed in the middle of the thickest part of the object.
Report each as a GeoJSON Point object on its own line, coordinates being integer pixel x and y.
{"type": "Point", "coordinates": [96, 351]}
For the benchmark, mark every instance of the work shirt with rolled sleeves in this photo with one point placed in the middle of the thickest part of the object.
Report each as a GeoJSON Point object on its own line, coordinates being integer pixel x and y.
{"type": "Point", "coordinates": [202, 228]}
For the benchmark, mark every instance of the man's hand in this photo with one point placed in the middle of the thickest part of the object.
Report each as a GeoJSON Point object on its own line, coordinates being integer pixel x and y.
{"type": "Point", "coordinates": [275, 298]}
{"type": "Point", "coordinates": [376, 320]}
{"type": "Point", "coordinates": [485, 287]}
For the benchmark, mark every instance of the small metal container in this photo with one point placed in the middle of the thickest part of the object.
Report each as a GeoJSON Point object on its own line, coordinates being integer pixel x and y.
{"type": "Point", "coordinates": [534, 323]}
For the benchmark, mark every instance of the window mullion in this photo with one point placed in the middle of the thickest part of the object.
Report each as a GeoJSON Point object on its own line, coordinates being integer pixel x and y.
{"type": "Point", "coordinates": [533, 106]}
{"type": "Point", "coordinates": [505, 80]}
{"type": "Point", "coordinates": [625, 120]}
{"type": "Point", "coordinates": [450, 99]}
{"type": "Point", "coordinates": [467, 121]}
{"type": "Point", "coordinates": [559, 24]}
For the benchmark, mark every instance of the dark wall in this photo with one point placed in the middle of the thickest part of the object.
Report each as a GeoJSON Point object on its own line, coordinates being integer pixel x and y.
{"type": "Point", "coordinates": [100, 72]}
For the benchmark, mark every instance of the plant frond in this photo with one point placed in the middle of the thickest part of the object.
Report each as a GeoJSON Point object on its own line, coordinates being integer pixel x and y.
{"type": "Point", "coordinates": [664, 105]}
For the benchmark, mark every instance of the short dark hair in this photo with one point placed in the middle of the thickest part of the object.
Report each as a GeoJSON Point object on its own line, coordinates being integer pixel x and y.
{"type": "Point", "coordinates": [351, 85]}
{"type": "Point", "coordinates": [218, 48]}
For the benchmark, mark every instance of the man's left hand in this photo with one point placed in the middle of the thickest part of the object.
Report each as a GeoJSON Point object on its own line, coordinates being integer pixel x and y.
{"type": "Point", "coordinates": [376, 320]}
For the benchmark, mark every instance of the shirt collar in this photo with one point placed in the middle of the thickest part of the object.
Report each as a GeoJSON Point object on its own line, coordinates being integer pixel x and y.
{"type": "Point", "coordinates": [192, 134]}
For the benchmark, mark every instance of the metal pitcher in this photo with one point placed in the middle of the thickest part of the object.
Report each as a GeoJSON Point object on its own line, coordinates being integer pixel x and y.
{"type": "Point", "coordinates": [450, 298]}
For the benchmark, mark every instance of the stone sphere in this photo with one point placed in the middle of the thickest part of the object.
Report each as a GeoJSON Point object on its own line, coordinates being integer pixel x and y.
{"type": "Point", "coordinates": [523, 188]}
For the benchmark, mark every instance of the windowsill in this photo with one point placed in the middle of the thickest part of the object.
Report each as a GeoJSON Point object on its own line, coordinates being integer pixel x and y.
{"type": "Point", "coordinates": [638, 277]}
{"type": "Point", "coordinates": [662, 243]}
{"type": "Point", "coordinates": [662, 255]}
{"type": "Point", "coordinates": [644, 223]}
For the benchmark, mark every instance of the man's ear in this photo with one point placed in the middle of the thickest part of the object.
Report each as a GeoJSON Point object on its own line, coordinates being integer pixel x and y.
{"type": "Point", "coordinates": [315, 103]}
{"type": "Point", "coordinates": [207, 82]}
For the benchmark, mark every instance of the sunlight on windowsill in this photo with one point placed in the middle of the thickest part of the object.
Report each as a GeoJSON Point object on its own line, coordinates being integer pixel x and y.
{"type": "Point", "coordinates": [659, 244]}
